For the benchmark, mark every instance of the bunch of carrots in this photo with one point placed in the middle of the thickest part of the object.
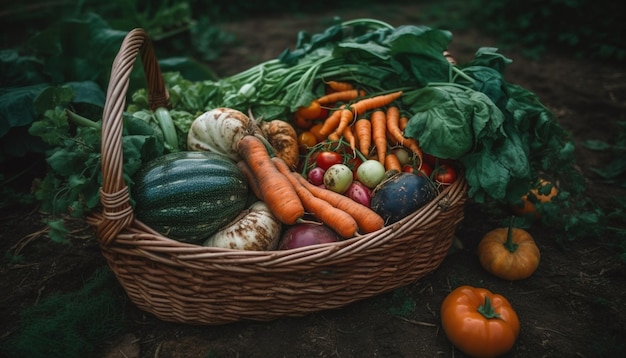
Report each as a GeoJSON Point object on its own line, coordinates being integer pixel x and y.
{"type": "Point", "coordinates": [371, 124]}
{"type": "Point", "coordinates": [290, 196]}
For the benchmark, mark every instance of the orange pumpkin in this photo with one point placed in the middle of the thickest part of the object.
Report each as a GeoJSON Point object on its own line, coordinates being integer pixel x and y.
{"type": "Point", "coordinates": [509, 253]}
{"type": "Point", "coordinates": [536, 195]}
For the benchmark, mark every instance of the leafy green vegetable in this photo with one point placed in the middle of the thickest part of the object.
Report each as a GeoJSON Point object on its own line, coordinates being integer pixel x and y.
{"type": "Point", "coordinates": [72, 183]}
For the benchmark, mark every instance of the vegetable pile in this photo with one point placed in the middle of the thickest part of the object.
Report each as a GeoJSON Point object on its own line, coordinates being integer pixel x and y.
{"type": "Point", "coordinates": [347, 109]}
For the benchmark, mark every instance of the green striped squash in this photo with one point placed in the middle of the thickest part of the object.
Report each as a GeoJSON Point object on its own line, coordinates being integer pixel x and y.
{"type": "Point", "coordinates": [187, 196]}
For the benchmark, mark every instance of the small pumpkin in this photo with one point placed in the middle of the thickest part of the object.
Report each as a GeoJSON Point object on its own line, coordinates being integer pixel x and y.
{"type": "Point", "coordinates": [478, 322]}
{"type": "Point", "coordinates": [509, 253]}
{"type": "Point", "coordinates": [543, 193]}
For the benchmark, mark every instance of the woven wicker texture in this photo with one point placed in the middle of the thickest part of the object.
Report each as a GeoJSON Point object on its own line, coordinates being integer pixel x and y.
{"type": "Point", "coordinates": [186, 283]}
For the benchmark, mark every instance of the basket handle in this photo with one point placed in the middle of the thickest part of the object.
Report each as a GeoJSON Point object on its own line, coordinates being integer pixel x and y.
{"type": "Point", "coordinates": [117, 213]}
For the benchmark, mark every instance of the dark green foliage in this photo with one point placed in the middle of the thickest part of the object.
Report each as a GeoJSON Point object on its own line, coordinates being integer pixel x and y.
{"type": "Point", "coordinates": [585, 28]}
{"type": "Point", "coordinates": [70, 324]}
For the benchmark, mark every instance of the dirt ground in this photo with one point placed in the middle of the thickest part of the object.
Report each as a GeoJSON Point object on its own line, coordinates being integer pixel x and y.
{"type": "Point", "coordinates": [573, 305]}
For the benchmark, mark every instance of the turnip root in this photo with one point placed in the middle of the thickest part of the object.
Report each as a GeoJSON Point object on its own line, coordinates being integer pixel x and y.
{"type": "Point", "coordinates": [255, 229]}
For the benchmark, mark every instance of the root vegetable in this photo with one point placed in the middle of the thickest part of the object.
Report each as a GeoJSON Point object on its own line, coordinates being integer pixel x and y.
{"type": "Point", "coordinates": [256, 228]}
{"type": "Point", "coordinates": [284, 139]}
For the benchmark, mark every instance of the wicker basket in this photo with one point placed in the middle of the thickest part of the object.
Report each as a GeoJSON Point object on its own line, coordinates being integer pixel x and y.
{"type": "Point", "coordinates": [187, 283]}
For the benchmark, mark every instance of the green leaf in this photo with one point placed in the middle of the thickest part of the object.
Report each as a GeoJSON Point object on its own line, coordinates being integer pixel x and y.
{"type": "Point", "coordinates": [16, 106]}
{"type": "Point", "coordinates": [449, 121]}
{"type": "Point", "coordinates": [58, 231]}
{"type": "Point", "coordinates": [489, 57]}
{"type": "Point", "coordinates": [598, 145]}
{"type": "Point", "coordinates": [19, 71]}
{"type": "Point", "coordinates": [53, 96]}
{"type": "Point", "coordinates": [53, 128]}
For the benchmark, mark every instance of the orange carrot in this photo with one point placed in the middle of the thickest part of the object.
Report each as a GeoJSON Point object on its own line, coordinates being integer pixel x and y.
{"type": "Point", "coordinates": [379, 134]}
{"type": "Point", "coordinates": [344, 121]}
{"type": "Point", "coordinates": [367, 219]}
{"type": "Point", "coordinates": [341, 96]}
{"type": "Point", "coordinates": [370, 103]}
{"type": "Point", "coordinates": [333, 136]}
{"type": "Point", "coordinates": [337, 219]}
{"type": "Point", "coordinates": [338, 86]}
{"type": "Point", "coordinates": [403, 122]}
{"type": "Point", "coordinates": [331, 123]}
{"type": "Point", "coordinates": [349, 136]}
{"type": "Point", "coordinates": [252, 182]}
{"type": "Point", "coordinates": [363, 133]}
{"type": "Point", "coordinates": [393, 126]}
{"type": "Point", "coordinates": [274, 188]}
{"type": "Point", "coordinates": [392, 162]}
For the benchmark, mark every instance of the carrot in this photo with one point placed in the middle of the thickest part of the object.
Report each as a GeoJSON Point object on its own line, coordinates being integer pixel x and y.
{"type": "Point", "coordinates": [349, 136]}
{"type": "Point", "coordinates": [379, 133]}
{"type": "Point", "coordinates": [344, 121]}
{"type": "Point", "coordinates": [252, 182]}
{"type": "Point", "coordinates": [337, 219]}
{"type": "Point", "coordinates": [403, 122]}
{"type": "Point", "coordinates": [393, 126]}
{"type": "Point", "coordinates": [370, 103]}
{"type": "Point", "coordinates": [338, 86]}
{"type": "Point", "coordinates": [367, 219]}
{"type": "Point", "coordinates": [392, 162]}
{"type": "Point", "coordinates": [363, 133]}
{"type": "Point", "coordinates": [341, 96]}
{"type": "Point", "coordinates": [274, 188]}
{"type": "Point", "coordinates": [333, 136]}
{"type": "Point", "coordinates": [331, 123]}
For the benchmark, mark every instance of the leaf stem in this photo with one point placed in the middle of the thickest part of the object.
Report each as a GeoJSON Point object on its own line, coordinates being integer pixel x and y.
{"type": "Point", "coordinates": [82, 121]}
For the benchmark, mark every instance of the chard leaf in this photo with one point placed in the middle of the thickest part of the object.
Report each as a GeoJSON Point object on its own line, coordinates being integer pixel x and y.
{"type": "Point", "coordinates": [420, 40]}
{"type": "Point", "coordinates": [488, 81]}
{"type": "Point", "coordinates": [448, 121]}
{"type": "Point", "coordinates": [489, 57]}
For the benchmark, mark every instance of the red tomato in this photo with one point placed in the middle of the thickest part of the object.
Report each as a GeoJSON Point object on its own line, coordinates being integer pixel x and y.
{"type": "Point", "coordinates": [426, 168]}
{"type": "Point", "coordinates": [326, 159]}
{"type": "Point", "coordinates": [408, 168]}
{"type": "Point", "coordinates": [444, 174]}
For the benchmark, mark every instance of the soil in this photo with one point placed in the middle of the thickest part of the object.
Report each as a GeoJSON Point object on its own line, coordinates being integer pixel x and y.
{"type": "Point", "coordinates": [572, 306]}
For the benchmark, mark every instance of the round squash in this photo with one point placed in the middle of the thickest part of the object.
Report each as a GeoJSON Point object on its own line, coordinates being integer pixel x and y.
{"type": "Point", "coordinates": [400, 195]}
{"type": "Point", "coordinates": [509, 253]}
{"type": "Point", "coordinates": [187, 196]}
